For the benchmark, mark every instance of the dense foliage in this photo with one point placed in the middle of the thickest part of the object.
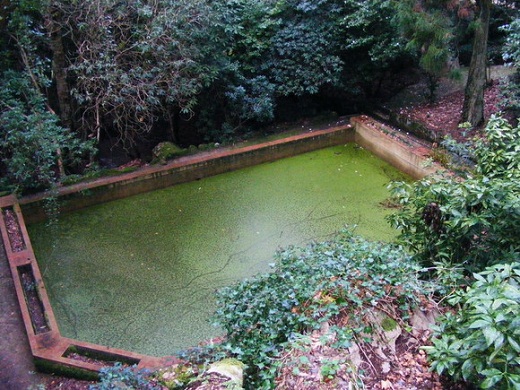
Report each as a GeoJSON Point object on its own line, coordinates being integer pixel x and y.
{"type": "Point", "coordinates": [347, 278]}
{"type": "Point", "coordinates": [428, 28]}
{"type": "Point", "coordinates": [294, 56]}
{"type": "Point", "coordinates": [125, 377]}
{"type": "Point", "coordinates": [511, 55]}
{"type": "Point", "coordinates": [35, 148]}
{"type": "Point", "coordinates": [135, 73]}
{"type": "Point", "coordinates": [470, 222]}
{"type": "Point", "coordinates": [480, 343]}
{"type": "Point", "coordinates": [136, 62]}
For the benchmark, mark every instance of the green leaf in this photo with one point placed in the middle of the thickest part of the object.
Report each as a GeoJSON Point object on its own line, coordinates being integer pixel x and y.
{"type": "Point", "coordinates": [511, 292]}
{"type": "Point", "coordinates": [500, 302]}
{"type": "Point", "coordinates": [468, 369]}
{"type": "Point", "coordinates": [513, 343]}
{"type": "Point", "coordinates": [304, 360]}
{"type": "Point", "coordinates": [491, 381]}
{"type": "Point", "coordinates": [479, 324]}
{"type": "Point", "coordinates": [514, 379]}
{"type": "Point", "coordinates": [492, 335]}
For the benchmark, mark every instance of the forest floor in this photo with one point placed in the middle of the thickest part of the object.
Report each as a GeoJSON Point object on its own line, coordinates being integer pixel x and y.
{"type": "Point", "coordinates": [17, 371]}
{"type": "Point", "coordinates": [443, 115]}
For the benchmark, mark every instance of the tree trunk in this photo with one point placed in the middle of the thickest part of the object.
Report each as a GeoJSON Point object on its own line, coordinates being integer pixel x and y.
{"type": "Point", "coordinates": [174, 119]}
{"type": "Point", "coordinates": [59, 66]}
{"type": "Point", "coordinates": [473, 110]}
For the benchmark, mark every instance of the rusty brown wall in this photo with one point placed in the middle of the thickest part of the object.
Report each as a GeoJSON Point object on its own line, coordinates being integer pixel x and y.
{"type": "Point", "coordinates": [183, 170]}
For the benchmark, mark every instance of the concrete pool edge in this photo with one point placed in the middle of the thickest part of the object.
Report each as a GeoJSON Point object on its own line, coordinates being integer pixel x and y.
{"type": "Point", "coordinates": [183, 169]}
{"type": "Point", "coordinates": [52, 350]}
{"type": "Point", "coordinates": [387, 143]}
{"type": "Point", "coordinates": [405, 152]}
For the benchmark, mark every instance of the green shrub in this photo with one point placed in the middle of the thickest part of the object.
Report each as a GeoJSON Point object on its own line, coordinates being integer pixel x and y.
{"type": "Point", "coordinates": [346, 277]}
{"type": "Point", "coordinates": [34, 145]}
{"type": "Point", "coordinates": [510, 87]}
{"type": "Point", "coordinates": [480, 343]}
{"type": "Point", "coordinates": [470, 221]}
{"type": "Point", "coordinates": [124, 377]}
{"type": "Point", "coordinates": [498, 153]}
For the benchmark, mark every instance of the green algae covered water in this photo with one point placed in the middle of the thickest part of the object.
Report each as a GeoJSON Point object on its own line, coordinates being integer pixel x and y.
{"type": "Point", "coordinates": [140, 273]}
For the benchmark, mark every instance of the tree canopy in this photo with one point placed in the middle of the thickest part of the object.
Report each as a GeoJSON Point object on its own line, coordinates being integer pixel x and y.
{"type": "Point", "coordinates": [138, 71]}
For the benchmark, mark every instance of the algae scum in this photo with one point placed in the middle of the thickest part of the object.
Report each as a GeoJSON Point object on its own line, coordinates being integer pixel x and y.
{"type": "Point", "coordinates": [140, 273]}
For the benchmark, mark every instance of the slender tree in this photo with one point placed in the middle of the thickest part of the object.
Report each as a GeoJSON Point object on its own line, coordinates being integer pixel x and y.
{"type": "Point", "coordinates": [473, 109]}
{"type": "Point", "coordinates": [52, 16]}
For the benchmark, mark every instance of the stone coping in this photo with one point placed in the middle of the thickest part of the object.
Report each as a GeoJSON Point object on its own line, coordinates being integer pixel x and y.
{"type": "Point", "coordinates": [49, 348]}
{"type": "Point", "coordinates": [54, 352]}
{"type": "Point", "coordinates": [402, 150]}
{"type": "Point", "coordinates": [183, 169]}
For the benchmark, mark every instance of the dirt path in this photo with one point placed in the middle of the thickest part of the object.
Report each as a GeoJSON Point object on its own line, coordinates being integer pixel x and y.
{"type": "Point", "coordinates": [17, 371]}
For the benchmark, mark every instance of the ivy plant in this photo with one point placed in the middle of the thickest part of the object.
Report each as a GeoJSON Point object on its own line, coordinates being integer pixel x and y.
{"type": "Point", "coordinates": [346, 277]}
{"type": "Point", "coordinates": [122, 376]}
